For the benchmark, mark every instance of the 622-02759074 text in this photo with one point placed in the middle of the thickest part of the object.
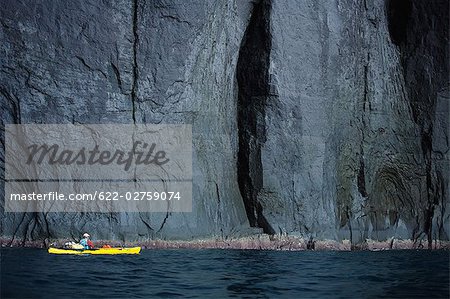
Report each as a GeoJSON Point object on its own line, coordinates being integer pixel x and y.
{"type": "Point", "coordinates": [102, 195]}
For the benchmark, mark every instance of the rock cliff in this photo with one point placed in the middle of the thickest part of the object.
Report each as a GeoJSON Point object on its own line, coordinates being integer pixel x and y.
{"type": "Point", "coordinates": [312, 118]}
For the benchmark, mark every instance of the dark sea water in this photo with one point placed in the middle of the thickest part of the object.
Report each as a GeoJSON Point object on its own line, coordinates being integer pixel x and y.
{"type": "Point", "coordinates": [33, 273]}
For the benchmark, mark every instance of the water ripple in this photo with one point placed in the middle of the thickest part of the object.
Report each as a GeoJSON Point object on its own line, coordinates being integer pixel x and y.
{"type": "Point", "coordinates": [33, 273]}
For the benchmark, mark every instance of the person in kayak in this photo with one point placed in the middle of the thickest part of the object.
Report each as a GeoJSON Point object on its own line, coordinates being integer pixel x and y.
{"type": "Point", "coordinates": [86, 242]}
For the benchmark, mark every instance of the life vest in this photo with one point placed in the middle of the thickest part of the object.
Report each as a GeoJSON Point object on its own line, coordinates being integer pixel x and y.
{"type": "Point", "coordinates": [85, 243]}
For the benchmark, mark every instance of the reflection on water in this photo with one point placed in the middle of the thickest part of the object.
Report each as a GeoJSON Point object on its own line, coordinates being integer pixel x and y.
{"type": "Point", "coordinates": [32, 273]}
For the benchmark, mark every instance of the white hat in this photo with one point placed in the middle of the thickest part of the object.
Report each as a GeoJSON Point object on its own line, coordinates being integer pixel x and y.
{"type": "Point", "coordinates": [85, 235]}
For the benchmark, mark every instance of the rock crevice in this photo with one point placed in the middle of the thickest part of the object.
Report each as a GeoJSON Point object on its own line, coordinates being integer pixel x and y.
{"type": "Point", "coordinates": [134, 87]}
{"type": "Point", "coordinates": [253, 92]}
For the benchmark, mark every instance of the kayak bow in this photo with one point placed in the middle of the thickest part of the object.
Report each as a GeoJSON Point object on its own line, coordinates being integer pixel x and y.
{"type": "Point", "coordinates": [132, 250]}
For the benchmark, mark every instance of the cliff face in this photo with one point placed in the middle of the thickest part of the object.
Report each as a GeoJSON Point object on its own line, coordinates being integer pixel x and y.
{"type": "Point", "coordinates": [356, 131]}
{"type": "Point", "coordinates": [322, 118]}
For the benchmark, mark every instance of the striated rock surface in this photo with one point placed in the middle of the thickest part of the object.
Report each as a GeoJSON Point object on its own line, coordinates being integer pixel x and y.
{"type": "Point", "coordinates": [351, 151]}
{"type": "Point", "coordinates": [311, 118]}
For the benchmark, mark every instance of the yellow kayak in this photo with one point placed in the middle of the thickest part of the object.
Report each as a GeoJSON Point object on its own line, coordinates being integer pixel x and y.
{"type": "Point", "coordinates": [132, 250]}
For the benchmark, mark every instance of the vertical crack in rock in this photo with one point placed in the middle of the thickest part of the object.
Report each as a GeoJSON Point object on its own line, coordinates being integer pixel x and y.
{"type": "Point", "coordinates": [219, 212]}
{"type": "Point", "coordinates": [252, 74]}
{"type": "Point", "coordinates": [117, 73]}
{"type": "Point", "coordinates": [349, 223]}
{"type": "Point", "coordinates": [47, 226]}
{"type": "Point", "coordinates": [420, 29]}
{"type": "Point", "coordinates": [16, 230]}
{"type": "Point", "coordinates": [163, 222]}
{"type": "Point", "coordinates": [442, 210]}
{"type": "Point", "coordinates": [361, 178]}
{"type": "Point", "coordinates": [135, 64]}
{"type": "Point", "coordinates": [361, 175]}
{"type": "Point", "coordinates": [427, 148]}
